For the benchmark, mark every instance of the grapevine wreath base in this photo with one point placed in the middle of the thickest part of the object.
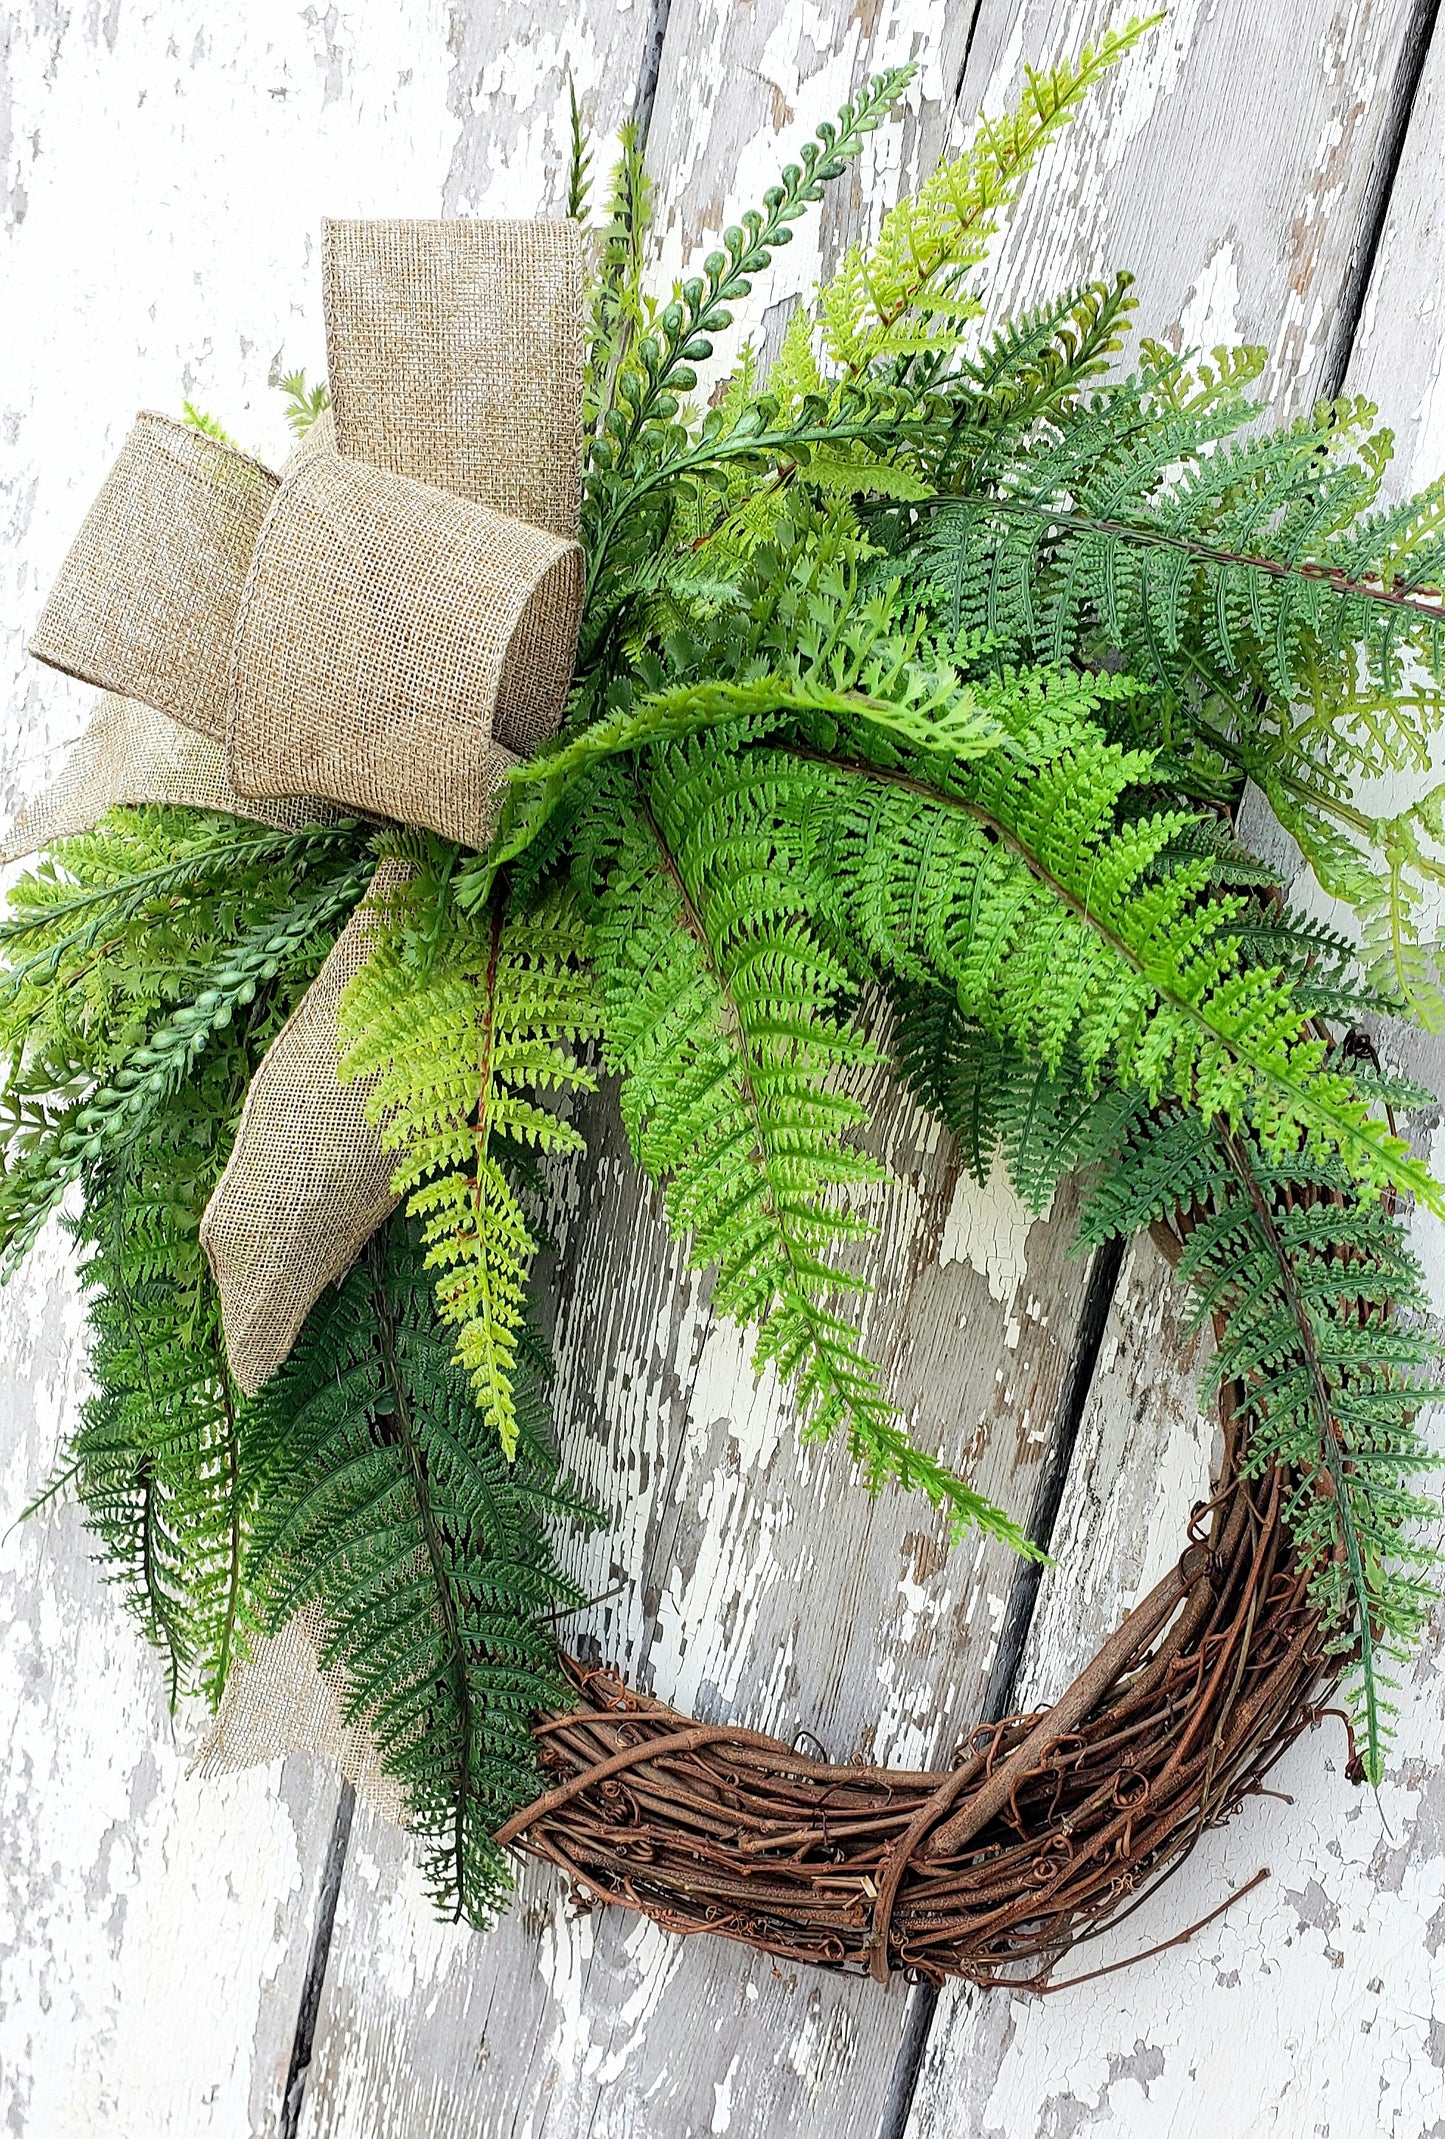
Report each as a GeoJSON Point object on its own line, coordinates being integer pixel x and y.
{"type": "Point", "coordinates": [1045, 1828]}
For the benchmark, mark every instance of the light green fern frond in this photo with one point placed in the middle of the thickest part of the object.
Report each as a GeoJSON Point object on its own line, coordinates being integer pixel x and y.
{"type": "Point", "coordinates": [460, 1026]}
{"type": "Point", "coordinates": [892, 299]}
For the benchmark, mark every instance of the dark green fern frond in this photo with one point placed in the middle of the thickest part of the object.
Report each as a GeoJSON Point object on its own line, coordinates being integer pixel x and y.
{"type": "Point", "coordinates": [105, 937]}
{"type": "Point", "coordinates": [383, 1496]}
{"type": "Point", "coordinates": [999, 1101]}
{"type": "Point", "coordinates": [156, 1457]}
{"type": "Point", "coordinates": [1251, 577]}
{"type": "Point", "coordinates": [1325, 1342]}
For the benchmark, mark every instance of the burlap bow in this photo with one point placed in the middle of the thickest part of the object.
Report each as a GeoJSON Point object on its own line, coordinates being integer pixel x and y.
{"type": "Point", "coordinates": [381, 629]}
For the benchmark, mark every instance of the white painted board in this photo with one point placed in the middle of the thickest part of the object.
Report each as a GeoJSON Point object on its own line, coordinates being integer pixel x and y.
{"type": "Point", "coordinates": [1315, 2008]}
{"type": "Point", "coordinates": [766, 1588]}
{"type": "Point", "coordinates": [163, 173]}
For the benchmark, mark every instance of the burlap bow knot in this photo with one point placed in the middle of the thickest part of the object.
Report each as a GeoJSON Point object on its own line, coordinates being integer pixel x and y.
{"type": "Point", "coordinates": [380, 629]}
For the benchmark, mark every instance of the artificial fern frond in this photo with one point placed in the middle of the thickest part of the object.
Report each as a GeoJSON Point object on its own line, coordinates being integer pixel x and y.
{"type": "Point", "coordinates": [156, 1456]}
{"type": "Point", "coordinates": [111, 928]}
{"type": "Point", "coordinates": [723, 1016]}
{"type": "Point", "coordinates": [112, 1114]}
{"type": "Point", "coordinates": [459, 1025]}
{"type": "Point", "coordinates": [1321, 1304]}
{"type": "Point", "coordinates": [198, 419]}
{"type": "Point", "coordinates": [1251, 577]}
{"type": "Point", "coordinates": [999, 1101]}
{"type": "Point", "coordinates": [861, 659]}
{"type": "Point", "coordinates": [383, 1497]}
{"type": "Point", "coordinates": [304, 403]}
{"type": "Point", "coordinates": [883, 301]}
{"type": "Point", "coordinates": [1020, 888]}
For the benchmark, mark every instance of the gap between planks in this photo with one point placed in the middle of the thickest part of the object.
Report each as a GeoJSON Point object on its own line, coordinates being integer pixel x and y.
{"type": "Point", "coordinates": [1023, 1598]}
{"type": "Point", "coordinates": [1105, 1268]}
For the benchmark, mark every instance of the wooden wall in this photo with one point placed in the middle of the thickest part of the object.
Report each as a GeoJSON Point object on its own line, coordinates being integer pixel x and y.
{"type": "Point", "coordinates": [1269, 174]}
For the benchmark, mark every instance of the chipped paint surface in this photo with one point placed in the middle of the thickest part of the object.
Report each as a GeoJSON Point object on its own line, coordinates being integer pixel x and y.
{"type": "Point", "coordinates": [152, 1928]}
{"type": "Point", "coordinates": [988, 1227]}
{"type": "Point", "coordinates": [162, 172]}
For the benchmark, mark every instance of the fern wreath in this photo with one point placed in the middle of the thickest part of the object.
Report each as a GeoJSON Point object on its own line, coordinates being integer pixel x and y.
{"type": "Point", "coordinates": [934, 666]}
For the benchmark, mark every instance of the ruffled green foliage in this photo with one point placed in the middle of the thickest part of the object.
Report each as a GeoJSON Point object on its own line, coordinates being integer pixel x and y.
{"type": "Point", "coordinates": [383, 1498]}
{"type": "Point", "coordinates": [117, 941]}
{"type": "Point", "coordinates": [1326, 1347]}
{"type": "Point", "coordinates": [1254, 580]}
{"type": "Point", "coordinates": [938, 662]}
{"type": "Point", "coordinates": [457, 1018]}
{"type": "Point", "coordinates": [132, 951]}
{"type": "Point", "coordinates": [156, 1456]}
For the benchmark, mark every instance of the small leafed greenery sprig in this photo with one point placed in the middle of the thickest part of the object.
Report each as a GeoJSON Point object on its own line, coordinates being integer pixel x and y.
{"type": "Point", "coordinates": [929, 668]}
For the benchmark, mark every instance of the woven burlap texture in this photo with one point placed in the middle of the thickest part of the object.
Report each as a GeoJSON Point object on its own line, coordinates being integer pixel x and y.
{"type": "Point", "coordinates": [131, 754]}
{"type": "Point", "coordinates": [281, 1700]}
{"type": "Point", "coordinates": [390, 641]}
{"type": "Point", "coordinates": [307, 1182]}
{"type": "Point", "coordinates": [456, 352]}
{"type": "Point", "coordinates": [146, 601]}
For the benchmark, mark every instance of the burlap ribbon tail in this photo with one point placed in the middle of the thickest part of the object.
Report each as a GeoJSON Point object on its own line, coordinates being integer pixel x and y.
{"type": "Point", "coordinates": [381, 630]}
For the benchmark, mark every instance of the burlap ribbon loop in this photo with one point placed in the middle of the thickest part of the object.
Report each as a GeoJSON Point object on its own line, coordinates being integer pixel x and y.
{"type": "Point", "coordinates": [388, 631]}
{"type": "Point", "coordinates": [378, 630]}
{"type": "Point", "coordinates": [455, 351]}
{"type": "Point", "coordinates": [307, 1182]}
{"type": "Point", "coordinates": [129, 753]}
{"type": "Point", "coordinates": [146, 601]}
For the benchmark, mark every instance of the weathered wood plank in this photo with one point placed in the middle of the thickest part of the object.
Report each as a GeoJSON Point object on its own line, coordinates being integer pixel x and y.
{"type": "Point", "coordinates": [1317, 2003]}
{"type": "Point", "coordinates": [759, 1584]}
{"type": "Point", "coordinates": [1226, 167]}
{"type": "Point", "coordinates": [153, 1928]}
{"type": "Point", "coordinates": [757, 1579]}
{"type": "Point", "coordinates": [600, 2025]}
{"type": "Point", "coordinates": [162, 172]}
{"type": "Point", "coordinates": [1314, 2005]}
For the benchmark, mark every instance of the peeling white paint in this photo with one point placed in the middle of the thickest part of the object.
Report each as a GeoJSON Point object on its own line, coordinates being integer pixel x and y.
{"type": "Point", "coordinates": [756, 1578]}
{"type": "Point", "coordinates": [1210, 316]}
{"type": "Point", "coordinates": [988, 1228]}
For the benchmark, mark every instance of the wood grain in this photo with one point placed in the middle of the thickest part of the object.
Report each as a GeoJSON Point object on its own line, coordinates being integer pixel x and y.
{"type": "Point", "coordinates": [1227, 165]}
{"type": "Point", "coordinates": [1314, 2005]}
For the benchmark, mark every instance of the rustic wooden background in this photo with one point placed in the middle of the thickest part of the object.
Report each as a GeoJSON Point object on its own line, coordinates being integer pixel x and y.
{"type": "Point", "coordinates": [179, 1958]}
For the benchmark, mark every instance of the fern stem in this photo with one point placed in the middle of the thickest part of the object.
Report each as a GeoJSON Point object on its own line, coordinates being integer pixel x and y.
{"type": "Point", "coordinates": [222, 1668]}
